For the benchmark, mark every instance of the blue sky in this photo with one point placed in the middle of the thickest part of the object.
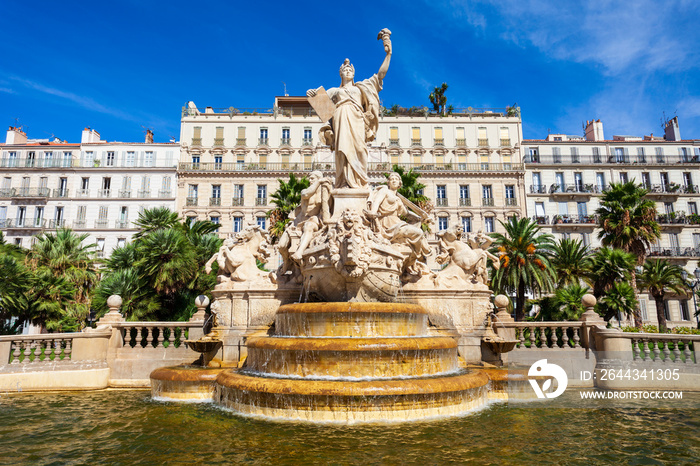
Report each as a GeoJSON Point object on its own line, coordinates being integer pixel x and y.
{"type": "Point", "coordinates": [124, 65]}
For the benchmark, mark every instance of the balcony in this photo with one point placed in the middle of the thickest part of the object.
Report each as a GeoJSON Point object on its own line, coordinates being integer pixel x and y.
{"type": "Point", "coordinates": [674, 252]}
{"type": "Point", "coordinates": [511, 202]}
{"type": "Point", "coordinates": [461, 142]}
{"type": "Point", "coordinates": [60, 193]}
{"type": "Point", "coordinates": [60, 223]}
{"type": "Point", "coordinates": [23, 224]}
{"type": "Point", "coordinates": [37, 163]}
{"type": "Point", "coordinates": [307, 142]}
{"type": "Point", "coordinates": [262, 141]}
{"type": "Point", "coordinates": [441, 202]}
{"type": "Point", "coordinates": [505, 142]}
{"type": "Point", "coordinates": [259, 201]}
{"type": "Point", "coordinates": [30, 193]}
{"type": "Point", "coordinates": [487, 201]}
{"type": "Point", "coordinates": [197, 142]}
{"type": "Point", "coordinates": [465, 202]}
{"type": "Point", "coordinates": [664, 190]}
{"type": "Point", "coordinates": [394, 142]}
{"type": "Point", "coordinates": [144, 193]}
{"type": "Point", "coordinates": [79, 224]}
{"type": "Point", "coordinates": [165, 194]}
{"type": "Point", "coordinates": [214, 201]}
{"type": "Point", "coordinates": [124, 193]}
{"type": "Point", "coordinates": [101, 223]}
{"type": "Point", "coordinates": [446, 167]}
{"type": "Point", "coordinates": [5, 193]}
{"type": "Point", "coordinates": [574, 220]}
{"type": "Point", "coordinates": [237, 201]}
{"type": "Point", "coordinates": [416, 142]}
{"type": "Point", "coordinates": [538, 189]}
{"type": "Point", "coordinates": [103, 192]}
{"type": "Point", "coordinates": [218, 142]}
{"type": "Point", "coordinates": [439, 141]}
{"type": "Point", "coordinates": [674, 218]}
{"type": "Point", "coordinates": [483, 142]}
{"type": "Point", "coordinates": [191, 201]}
{"type": "Point", "coordinates": [121, 224]}
{"type": "Point", "coordinates": [572, 190]}
{"type": "Point", "coordinates": [82, 193]}
{"type": "Point", "coordinates": [285, 142]}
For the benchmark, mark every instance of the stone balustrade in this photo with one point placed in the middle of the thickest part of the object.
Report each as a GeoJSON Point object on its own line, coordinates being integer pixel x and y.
{"type": "Point", "coordinates": [168, 335]}
{"type": "Point", "coordinates": [553, 335]}
{"type": "Point", "coordinates": [52, 348]}
{"type": "Point", "coordinates": [664, 348]}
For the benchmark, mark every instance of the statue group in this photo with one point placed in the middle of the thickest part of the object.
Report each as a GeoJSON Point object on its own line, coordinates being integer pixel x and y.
{"type": "Point", "coordinates": [363, 251]}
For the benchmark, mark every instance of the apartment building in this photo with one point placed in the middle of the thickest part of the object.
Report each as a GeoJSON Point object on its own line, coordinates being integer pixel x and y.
{"type": "Point", "coordinates": [95, 187]}
{"type": "Point", "coordinates": [566, 176]}
{"type": "Point", "coordinates": [231, 160]}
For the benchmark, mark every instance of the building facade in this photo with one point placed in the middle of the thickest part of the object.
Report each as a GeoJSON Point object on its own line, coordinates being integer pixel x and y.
{"type": "Point", "coordinates": [95, 187]}
{"type": "Point", "coordinates": [231, 161]}
{"type": "Point", "coordinates": [567, 175]}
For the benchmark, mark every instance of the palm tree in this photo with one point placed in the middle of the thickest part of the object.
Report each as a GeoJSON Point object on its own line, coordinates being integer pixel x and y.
{"type": "Point", "coordinates": [154, 219]}
{"type": "Point", "coordinates": [659, 277]}
{"type": "Point", "coordinates": [525, 268]}
{"type": "Point", "coordinates": [14, 286]}
{"type": "Point", "coordinates": [609, 266]}
{"type": "Point", "coordinates": [139, 301]}
{"type": "Point", "coordinates": [627, 220]}
{"type": "Point", "coordinates": [571, 260]}
{"type": "Point", "coordinates": [63, 255]}
{"type": "Point", "coordinates": [620, 300]}
{"type": "Point", "coordinates": [286, 198]}
{"type": "Point", "coordinates": [438, 99]}
{"type": "Point", "coordinates": [565, 304]}
{"type": "Point", "coordinates": [167, 260]}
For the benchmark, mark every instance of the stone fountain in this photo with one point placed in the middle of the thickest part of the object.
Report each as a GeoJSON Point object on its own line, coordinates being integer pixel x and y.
{"type": "Point", "coordinates": [353, 326]}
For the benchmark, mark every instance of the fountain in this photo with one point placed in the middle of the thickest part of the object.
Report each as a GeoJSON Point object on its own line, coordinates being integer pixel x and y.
{"type": "Point", "coordinates": [353, 326]}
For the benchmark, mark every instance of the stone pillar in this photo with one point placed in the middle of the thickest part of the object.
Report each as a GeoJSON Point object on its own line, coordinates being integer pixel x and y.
{"type": "Point", "coordinates": [109, 320]}
{"type": "Point", "coordinates": [590, 319]}
{"type": "Point", "coordinates": [201, 302]}
{"type": "Point", "coordinates": [502, 317]}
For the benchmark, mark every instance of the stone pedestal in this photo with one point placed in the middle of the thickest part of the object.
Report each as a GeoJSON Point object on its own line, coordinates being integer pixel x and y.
{"type": "Point", "coordinates": [348, 198]}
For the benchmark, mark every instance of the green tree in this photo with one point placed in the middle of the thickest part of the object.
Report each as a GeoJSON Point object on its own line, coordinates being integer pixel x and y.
{"type": "Point", "coordinates": [618, 301]}
{"type": "Point", "coordinates": [571, 260]}
{"type": "Point", "coordinates": [438, 98]}
{"type": "Point", "coordinates": [565, 304]}
{"type": "Point", "coordinates": [525, 267]}
{"type": "Point", "coordinates": [64, 256]}
{"type": "Point", "coordinates": [286, 198]}
{"type": "Point", "coordinates": [139, 300]}
{"type": "Point", "coordinates": [610, 266]}
{"type": "Point", "coordinates": [14, 287]}
{"type": "Point", "coordinates": [155, 219]}
{"type": "Point", "coordinates": [167, 260]}
{"type": "Point", "coordinates": [627, 221]}
{"type": "Point", "coordinates": [659, 277]}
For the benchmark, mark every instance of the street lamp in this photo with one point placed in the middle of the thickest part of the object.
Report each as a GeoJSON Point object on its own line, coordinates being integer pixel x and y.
{"type": "Point", "coordinates": [693, 284]}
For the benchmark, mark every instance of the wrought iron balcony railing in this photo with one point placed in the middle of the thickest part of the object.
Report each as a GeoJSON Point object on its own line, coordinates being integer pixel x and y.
{"type": "Point", "coordinates": [441, 202]}
{"type": "Point", "coordinates": [237, 201]}
{"type": "Point", "coordinates": [260, 201]}
{"type": "Point", "coordinates": [191, 201]}
{"type": "Point", "coordinates": [465, 202]}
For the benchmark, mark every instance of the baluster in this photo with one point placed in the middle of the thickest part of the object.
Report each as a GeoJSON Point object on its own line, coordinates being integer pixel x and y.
{"type": "Point", "coordinates": [69, 348]}
{"type": "Point", "coordinates": [543, 338]}
{"type": "Point", "coordinates": [667, 351]}
{"type": "Point", "coordinates": [149, 336]}
{"type": "Point", "coordinates": [647, 353]}
{"type": "Point", "coordinates": [686, 352]}
{"type": "Point", "coordinates": [565, 337]}
{"type": "Point", "coordinates": [171, 337]}
{"type": "Point", "coordinates": [532, 337]}
{"type": "Point", "coordinates": [577, 338]}
{"type": "Point", "coordinates": [677, 352]}
{"type": "Point", "coordinates": [635, 349]}
{"type": "Point", "coordinates": [55, 349]}
{"type": "Point", "coordinates": [554, 337]}
{"type": "Point", "coordinates": [657, 350]}
{"type": "Point", "coordinates": [158, 338]}
{"type": "Point", "coordinates": [127, 336]}
{"type": "Point", "coordinates": [33, 345]}
{"type": "Point", "coordinates": [15, 352]}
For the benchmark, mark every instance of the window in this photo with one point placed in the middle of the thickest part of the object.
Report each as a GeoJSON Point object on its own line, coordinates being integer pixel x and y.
{"type": "Point", "coordinates": [219, 136]}
{"type": "Point", "coordinates": [688, 181]}
{"type": "Point", "coordinates": [3, 216]}
{"type": "Point", "coordinates": [262, 191]}
{"type": "Point", "coordinates": [563, 208]}
{"type": "Point", "coordinates": [58, 217]}
{"type": "Point", "coordinates": [620, 154]}
{"type": "Point", "coordinates": [148, 159]}
{"type": "Point", "coordinates": [533, 155]}
{"type": "Point", "coordinates": [240, 139]}
{"type": "Point", "coordinates": [263, 136]}
{"type": "Point", "coordinates": [460, 138]}
{"type": "Point", "coordinates": [285, 135]}
{"type": "Point", "coordinates": [537, 182]}
{"type": "Point", "coordinates": [600, 181]}
{"type": "Point", "coordinates": [659, 152]}
{"type": "Point", "coordinates": [482, 136]}
{"type": "Point", "coordinates": [21, 215]}
{"type": "Point", "coordinates": [643, 309]}
{"type": "Point", "coordinates": [110, 159]}
{"type": "Point", "coordinates": [237, 224]}
{"type": "Point", "coordinates": [437, 137]}
{"type": "Point", "coordinates": [165, 187]}
{"type": "Point", "coordinates": [464, 195]}
{"type": "Point", "coordinates": [121, 242]}
{"type": "Point", "coordinates": [145, 187]}
{"type": "Point", "coordinates": [505, 137]}
{"type": "Point", "coordinates": [195, 161]}
{"type": "Point", "coordinates": [237, 194]}
{"type": "Point", "coordinates": [684, 154]}
{"type": "Point", "coordinates": [646, 180]}
{"type": "Point", "coordinates": [556, 155]}
{"type": "Point", "coordinates": [394, 136]}
{"type": "Point", "coordinates": [586, 239]}
{"type": "Point", "coordinates": [574, 155]}
{"type": "Point", "coordinates": [12, 159]}
{"type": "Point", "coordinates": [216, 220]}
{"type": "Point", "coordinates": [596, 155]}
{"type": "Point", "coordinates": [578, 181]}
{"type": "Point", "coordinates": [510, 191]}
{"type": "Point", "coordinates": [442, 223]}
{"type": "Point", "coordinates": [559, 179]}
{"type": "Point", "coordinates": [488, 223]}
{"type": "Point", "coordinates": [441, 191]}
{"type": "Point", "coordinates": [692, 208]}
{"type": "Point", "coordinates": [415, 136]}
{"type": "Point", "coordinates": [666, 310]}
{"type": "Point", "coordinates": [668, 207]}
{"type": "Point", "coordinates": [582, 209]}
{"type": "Point", "coordinates": [217, 162]}
{"type": "Point", "coordinates": [101, 221]}
{"type": "Point", "coordinates": [130, 159]}
{"type": "Point", "coordinates": [539, 213]}
{"type": "Point", "coordinates": [664, 180]}
{"type": "Point", "coordinates": [261, 221]}
{"type": "Point", "coordinates": [216, 191]}
{"type": "Point", "coordinates": [641, 157]}
{"type": "Point", "coordinates": [88, 159]}
{"type": "Point", "coordinates": [685, 314]}
{"type": "Point", "coordinates": [623, 177]}
{"type": "Point", "coordinates": [38, 216]}
{"type": "Point", "coordinates": [467, 224]}
{"type": "Point", "coordinates": [308, 138]}
{"type": "Point", "coordinates": [487, 191]}
{"type": "Point", "coordinates": [192, 194]}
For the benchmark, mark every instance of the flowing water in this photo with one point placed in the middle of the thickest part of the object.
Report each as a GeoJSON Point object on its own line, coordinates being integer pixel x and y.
{"type": "Point", "coordinates": [128, 427]}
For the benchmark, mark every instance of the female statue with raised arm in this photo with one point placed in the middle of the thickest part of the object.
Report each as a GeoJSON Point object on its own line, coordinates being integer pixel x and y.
{"type": "Point", "coordinates": [355, 119]}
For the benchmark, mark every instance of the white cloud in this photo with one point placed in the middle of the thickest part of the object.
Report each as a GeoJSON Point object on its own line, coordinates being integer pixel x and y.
{"type": "Point", "coordinates": [7, 90]}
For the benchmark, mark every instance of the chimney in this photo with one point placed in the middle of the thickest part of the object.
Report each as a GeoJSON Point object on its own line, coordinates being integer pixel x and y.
{"type": "Point", "coordinates": [149, 136]}
{"type": "Point", "coordinates": [671, 130]}
{"type": "Point", "coordinates": [89, 135]}
{"type": "Point", "coordinates": [15, 135]}
{"type": "Point", "coordinates": [594, 130]}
